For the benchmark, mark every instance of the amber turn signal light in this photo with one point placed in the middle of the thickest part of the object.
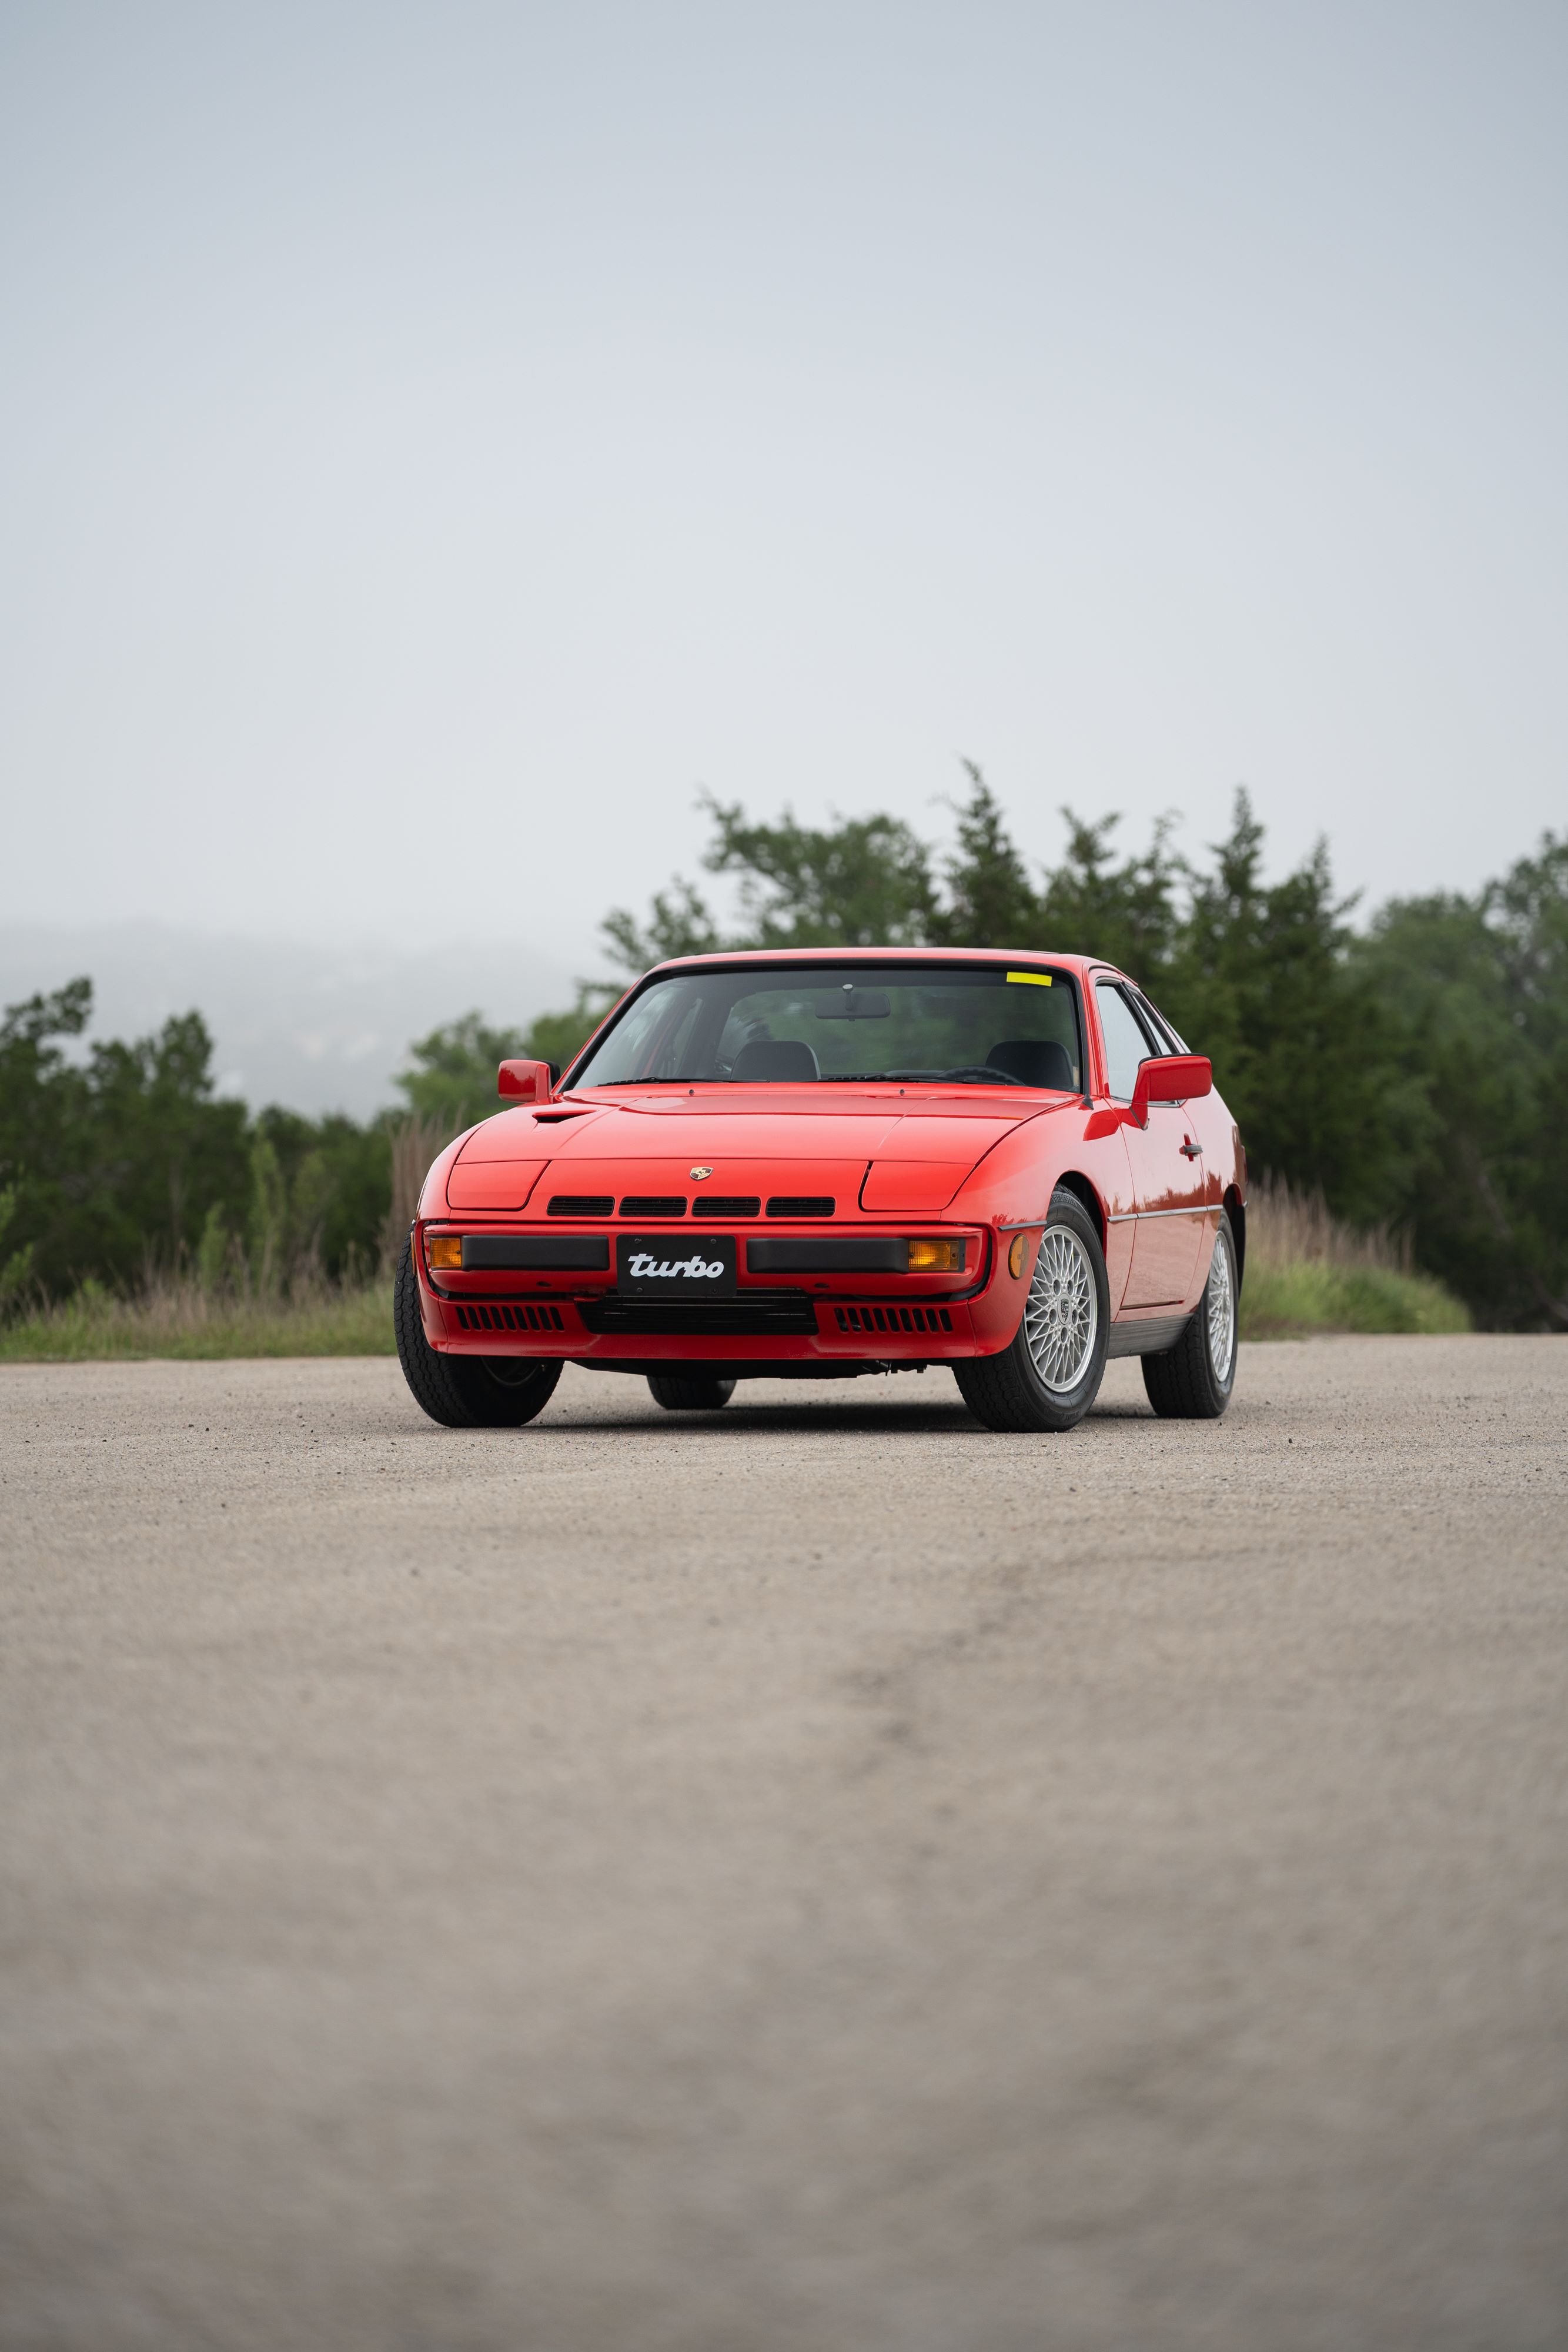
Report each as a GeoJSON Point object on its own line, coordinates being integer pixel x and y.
{"type": "Point", "coordinates": [935, 1257]}
{"type": "Point", "coordinates": [1016, 1254]}
{"type": "Point", "coordinates": [445, 1251]}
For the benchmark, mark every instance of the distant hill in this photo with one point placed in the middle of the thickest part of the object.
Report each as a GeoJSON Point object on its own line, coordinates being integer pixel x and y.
{"type": "Point", "coordinates": [315, 1027]}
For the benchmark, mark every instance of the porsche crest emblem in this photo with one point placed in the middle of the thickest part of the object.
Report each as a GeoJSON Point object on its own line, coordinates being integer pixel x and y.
{"type": "Point", "coordinates": [699, 1174]}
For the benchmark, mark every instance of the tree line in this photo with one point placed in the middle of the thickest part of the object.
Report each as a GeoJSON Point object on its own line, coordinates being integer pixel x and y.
{"type": "Point", "coordinates": [1415, 1072]}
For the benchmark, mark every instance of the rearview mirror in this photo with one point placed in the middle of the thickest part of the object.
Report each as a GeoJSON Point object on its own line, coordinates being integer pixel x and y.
{"type": "Point", "coordinates": [851, 1003]}
{"type": "Point", "coordinates": [1175, 1077]}
{"type": "Point", "coordinates": [524, 1081]}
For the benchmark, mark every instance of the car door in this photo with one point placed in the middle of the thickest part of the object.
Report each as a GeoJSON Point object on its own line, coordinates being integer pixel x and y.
{"type": "Point", "coordinates": [1168, 1185]}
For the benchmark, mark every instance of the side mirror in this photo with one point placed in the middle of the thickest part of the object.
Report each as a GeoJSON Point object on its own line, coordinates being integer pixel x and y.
{"type": "Point", "coordinates": [524, 1081]}
{"type": "Point", "coordinates": [1175, 1077]}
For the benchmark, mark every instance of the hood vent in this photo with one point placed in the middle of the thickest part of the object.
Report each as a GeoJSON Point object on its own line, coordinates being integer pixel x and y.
{"type": "Point", "coordinates": [581, 1205]}
{"type": "Point", "coordinates": [655, 1205]}
{"type": "Point", "coordinates": [710, 1205]}
{"type": "Point", "coordinates": [805, 1205]}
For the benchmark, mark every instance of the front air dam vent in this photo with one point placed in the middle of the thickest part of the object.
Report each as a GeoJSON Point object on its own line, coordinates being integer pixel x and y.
{"type": "Point", "coordinates": [805, 1205]}
{"type": "Point", "coordinates": [581, 1205]}
{"type": "Point", "coordinates": [510, 1319]}
{"type": "Point", "coordinates": [893, 1318]}
{"type": "Point", "coordinates": [655, 1205]}
{"type": "Point", "coordinates": [708, 1206]}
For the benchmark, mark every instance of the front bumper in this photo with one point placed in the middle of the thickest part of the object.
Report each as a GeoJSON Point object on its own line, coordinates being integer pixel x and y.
{"type": "Point", "coordinates": [838, 1323]}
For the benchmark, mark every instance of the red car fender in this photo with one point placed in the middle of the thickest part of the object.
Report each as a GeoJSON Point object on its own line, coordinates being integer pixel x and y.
{"type": "Point", "coordinates": [433, 1203]}
{"type": "Point", "coordinates": [1011, 1189]}
{"type": "Point", "coordinates": [433, 1191]}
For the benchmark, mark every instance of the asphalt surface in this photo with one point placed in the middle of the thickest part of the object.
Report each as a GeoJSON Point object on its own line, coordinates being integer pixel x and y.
{"type": "Point", "coordinates": [819, 1875]}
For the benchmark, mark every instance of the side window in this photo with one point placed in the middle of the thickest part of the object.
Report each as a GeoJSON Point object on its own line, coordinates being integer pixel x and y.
{"type": "Point", "coordinates": [1159, 1028]}
{"type": "Point", "coordinates": [1125, 1044]}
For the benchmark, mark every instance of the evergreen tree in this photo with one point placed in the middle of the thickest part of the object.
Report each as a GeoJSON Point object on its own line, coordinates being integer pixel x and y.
{"type": "Point", "coordinates": [863, 882]}
{"type": "Point", "coordinates": [990, 901]}
{"type": "Point", "coordinates": [1261, 980]}
{"type": "Point", "coordinates": [1126, 912]}
{"type": "Point", "coordinates": [1474, 995]}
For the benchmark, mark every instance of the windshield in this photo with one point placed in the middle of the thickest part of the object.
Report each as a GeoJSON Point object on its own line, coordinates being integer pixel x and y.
{"type": "Point", "coordinates": [808, 1024]}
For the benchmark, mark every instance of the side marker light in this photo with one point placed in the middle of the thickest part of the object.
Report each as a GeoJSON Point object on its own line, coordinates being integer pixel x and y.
{"type": "Point", "coordinates": [445, 1251]}
{"type": "Point", "coordinates": [1016, 1254]}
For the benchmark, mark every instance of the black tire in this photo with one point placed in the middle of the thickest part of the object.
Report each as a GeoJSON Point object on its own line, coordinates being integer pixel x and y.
{"type": "Point", "coordinates": [1011, 1391]}
{"type": "Point", "coordinates": [1193, 1381]}
{"type": "Point", "coordinates": [694, 1394]}
{"type": "Point", "coordinates": [465, 1391]}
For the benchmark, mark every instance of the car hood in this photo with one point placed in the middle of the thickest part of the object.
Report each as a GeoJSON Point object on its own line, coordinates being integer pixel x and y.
{"type": "Point", "coordinates": [744, 1140]}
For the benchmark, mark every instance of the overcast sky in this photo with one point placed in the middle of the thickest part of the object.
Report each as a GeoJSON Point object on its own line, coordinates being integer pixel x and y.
{"type": "Point", "coordinates": [434, 442]}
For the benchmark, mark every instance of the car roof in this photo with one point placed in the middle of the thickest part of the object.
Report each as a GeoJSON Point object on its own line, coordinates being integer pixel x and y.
{"type": "Point", "coordinates": [1080, 964]}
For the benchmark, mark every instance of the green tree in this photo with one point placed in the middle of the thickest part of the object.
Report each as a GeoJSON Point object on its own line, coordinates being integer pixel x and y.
{"type": "Point", "coordinates": [127, 1160]}
{"type": "Point", "coordinates": [1259, 977]}
{"type": "Point", "coordinates": [113, 1163]}
{"type": "Point", "coordinates": [989, 900]}
{"type": "Point", "coordinates": [1126, 910]}
{"type": "Point", "coordinates": [454, 1077]}
{"type": "Point", "coordinates": [1474, 994]}
{"type": "Point", "coordinates": [863, 882]}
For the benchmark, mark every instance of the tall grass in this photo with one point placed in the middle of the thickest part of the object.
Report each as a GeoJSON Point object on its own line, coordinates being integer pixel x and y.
{"type": "Point", "coordinates": [265, 1298]}
{"type": "Point", "coordinates": [1306, 1272]}
{"type": "Point", "coordinates": [176, 1315]}
{"type": "Point", "coordinates": [414, 1141]}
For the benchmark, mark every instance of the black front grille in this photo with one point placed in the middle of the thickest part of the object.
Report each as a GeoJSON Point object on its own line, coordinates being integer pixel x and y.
{"type": "Point", "coordinates": [510, 1319]}
{"type": "Point", "coordinates": [581, 1205]}
{"type": "Point", "coordinates": [754, 1314]}
{"type": "Point", "coordinates": [807, 1204]}
{"type": "Point", "coordinates": [829, 1253]}
{"type": "Point", "coordinates": [655, 1205]}
{"type": "Point", "coordinates": [576, 1253]}
{"type": "Point", "coordinates": [711, 1205]}
{"type": "Point", "coordinates": [893, 1318]}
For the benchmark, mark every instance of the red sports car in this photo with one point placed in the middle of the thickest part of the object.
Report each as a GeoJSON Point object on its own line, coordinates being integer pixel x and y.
{"type": "Point", "coordinates": [808, 1166]}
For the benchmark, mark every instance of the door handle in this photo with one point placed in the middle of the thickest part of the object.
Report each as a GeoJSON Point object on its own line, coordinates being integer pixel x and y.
{"type": "Point", "coordinates": [1190, 1150]}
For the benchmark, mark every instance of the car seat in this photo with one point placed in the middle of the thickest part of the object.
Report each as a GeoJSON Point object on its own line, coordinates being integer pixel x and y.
{"type": "Point", "coordinates": [776, 1058]}
{"type": "Point", "coordinates": [1036, 1061]}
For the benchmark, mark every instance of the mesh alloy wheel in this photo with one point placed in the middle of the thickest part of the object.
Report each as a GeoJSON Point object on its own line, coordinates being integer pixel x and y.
{"type": "Point", "coordinates": [1221, 1302]}
{"type": "Point", "coordinates": [1049, 1375]}
{"type": "Point", "coordinates": [1061, 1317]}
{"type": "Point", "coordinates": [1193, 1381]}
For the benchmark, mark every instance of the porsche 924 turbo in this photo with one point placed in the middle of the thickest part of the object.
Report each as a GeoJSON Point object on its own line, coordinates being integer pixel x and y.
{"type": "Point", "coordinates": [812, 1166]}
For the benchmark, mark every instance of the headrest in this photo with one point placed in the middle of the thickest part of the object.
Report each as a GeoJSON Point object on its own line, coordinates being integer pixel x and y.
{"type": "Point", "coordinates": [1035, 1061]}
{"type": "Point", "coordinates": [776, 1058]}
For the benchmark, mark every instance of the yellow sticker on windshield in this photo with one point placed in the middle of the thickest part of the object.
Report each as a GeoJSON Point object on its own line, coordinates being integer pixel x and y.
{"type": "Point", "coordinates": [1031, 979]}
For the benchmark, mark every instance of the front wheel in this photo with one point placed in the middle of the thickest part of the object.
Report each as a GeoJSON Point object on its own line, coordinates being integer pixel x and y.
{"type": "Point", "coordinates": [693, 1395]}
{"type": "Point", "coordinates": [1051, 1375]}
{"type": "Point", "coordinates": [465, 1391]}
{"type": "Point", "coordinates": [1193, 1381]}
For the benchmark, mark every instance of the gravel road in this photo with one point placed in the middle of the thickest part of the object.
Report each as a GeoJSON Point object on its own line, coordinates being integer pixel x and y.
{"type": "Point", "coordinates": [814, 1878]}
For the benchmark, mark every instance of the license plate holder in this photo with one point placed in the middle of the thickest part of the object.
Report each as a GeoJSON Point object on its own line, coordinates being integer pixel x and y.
{"type": "Point", "coordinates": [666, 1265]}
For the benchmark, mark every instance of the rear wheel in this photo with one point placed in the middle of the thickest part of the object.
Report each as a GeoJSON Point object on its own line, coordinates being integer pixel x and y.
{"type": "Point", "coordinates": [698, 1395]}
{"type": "Point", "coordinates": [1051, 1375]}
{"type": "Point", "coordinates": [465, 1391]}
{"type": "Point", "coordinates": [1193, 1381]}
